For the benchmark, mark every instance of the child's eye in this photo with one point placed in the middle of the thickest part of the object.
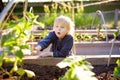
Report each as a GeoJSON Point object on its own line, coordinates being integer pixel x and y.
{"type": "Point", "coordinates": [62, 26]}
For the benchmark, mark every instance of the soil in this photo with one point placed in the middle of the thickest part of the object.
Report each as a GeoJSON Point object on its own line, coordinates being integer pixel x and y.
{"type": "Point", "coordinates": [102, 72]}
{"type": "Point", "coordinates": [53, 73]}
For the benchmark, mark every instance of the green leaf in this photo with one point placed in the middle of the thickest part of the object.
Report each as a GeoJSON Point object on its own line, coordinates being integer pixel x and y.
{"type": "Point", "coordinates": [26, 46]}
{"type": "Point", "coordinates": [40, 24]}
{"type": "Point", "coordinates": [19, 54]}
{"type": "Point", "coordinates": [118, 62]}
{"type": "Point", "coordinates": [116, 33]}
{"type": "Point", "coordinates": [116, 72]}
{"type": "Point", "coordinates": [70, 60]}
{"type": "Point", "coordinates": [9, 43]}
{"type": "Point", "coordinates": [81, 73]}
{"type": "Point", "coordinates": [20, 71]}
{"type": "Point", "coordinates": [14, 23]}
{"type": "Point", "coordinates": [10, 60]}
{"type": "Point", "coordinates": [78, 68]}
{"type": "Point", "coordinates": [7, 38]}
{"type": "Point", "coordinates": [15, 68]}
{"type": "Point", "coordinates": [30, 73]}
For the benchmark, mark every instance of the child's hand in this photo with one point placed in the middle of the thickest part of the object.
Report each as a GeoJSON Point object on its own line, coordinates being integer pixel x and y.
{"type": "Point", "coordinates": [38, 48]}
{"type": "Point", "coordinates": [34, 52]}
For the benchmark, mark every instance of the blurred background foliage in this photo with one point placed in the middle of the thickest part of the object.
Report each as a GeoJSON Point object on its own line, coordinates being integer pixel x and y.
{"type": "Point", "coordinates": [82, 14]}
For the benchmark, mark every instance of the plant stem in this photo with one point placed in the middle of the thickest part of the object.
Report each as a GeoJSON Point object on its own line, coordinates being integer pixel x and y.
{"type": "Point", "coordinates": [5, 71]}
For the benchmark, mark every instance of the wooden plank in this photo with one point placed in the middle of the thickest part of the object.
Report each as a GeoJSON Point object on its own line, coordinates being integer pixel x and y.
{"type": "Point", "coordinates": [93, 59]}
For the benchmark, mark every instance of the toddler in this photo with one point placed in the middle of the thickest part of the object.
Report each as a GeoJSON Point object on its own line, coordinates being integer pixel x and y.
{"type": "Point", "coordinates": [61, 39]}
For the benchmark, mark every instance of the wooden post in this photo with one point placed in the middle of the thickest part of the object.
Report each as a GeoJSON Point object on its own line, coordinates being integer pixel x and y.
{"type": "Point", "coordinates": [73, 17]}
{"type": "Point", "coordinates": [73, 10]}
{"type": "Point", "coordinates": [116, 18]}
{"type": "Point", "coordinates": [1, 5]}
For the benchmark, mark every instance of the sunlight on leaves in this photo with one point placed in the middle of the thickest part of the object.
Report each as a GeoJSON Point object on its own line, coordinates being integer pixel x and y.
{"type": "Point", "coordinates": [26, 51]}
{"type": "Point", "coordinates": [69, 61]}
{"type": "Point", "coordinates": [15, 68]}
{"type": "Point", "coordinates": [30, 73]}
{"type": "Point", "coordinates": [9, 60]}
{"type": "Point", "coordinates": [84, 74]}
{"type": "Point", "coordinates": [118, 62]}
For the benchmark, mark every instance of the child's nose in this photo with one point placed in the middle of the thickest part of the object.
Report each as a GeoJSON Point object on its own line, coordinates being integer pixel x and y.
{"type": "Point", "coordinates": [59, 28]}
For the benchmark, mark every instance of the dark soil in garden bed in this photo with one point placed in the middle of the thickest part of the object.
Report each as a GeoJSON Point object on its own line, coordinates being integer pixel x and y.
{"type": "Point", "coordinates": [104, 72]}
{"type": "Point", "coordinates": [53, 72]}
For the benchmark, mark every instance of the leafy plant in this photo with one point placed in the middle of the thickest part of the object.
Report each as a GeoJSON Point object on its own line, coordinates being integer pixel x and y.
{"type": "Point", "coordinates": [79, 69]}
{"type": "Point", "coordinates": [116, 72]}
{"type": "Point", "coordinates": [88, 37]}
{"type": "Point", "coordinates": [14, 43]}
{"type": "Point", "coordinates": [39, 36]}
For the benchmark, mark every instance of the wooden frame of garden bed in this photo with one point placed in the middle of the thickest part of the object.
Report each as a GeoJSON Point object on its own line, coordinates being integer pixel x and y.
{"type": "Point", "coordinates": [92, 48]}
{"type": "Point", "coordinates": [93, 59]}
{"type": "Point", "coordinates": [97, 48]}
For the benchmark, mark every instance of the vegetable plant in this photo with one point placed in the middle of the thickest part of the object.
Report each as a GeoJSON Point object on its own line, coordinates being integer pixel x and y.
{"type": "Point", "coordinates": [14, 45]}
{"type": "Point", "coordinates": [116, 72]}
{"type": "Point", "coordinates": [79, 69]}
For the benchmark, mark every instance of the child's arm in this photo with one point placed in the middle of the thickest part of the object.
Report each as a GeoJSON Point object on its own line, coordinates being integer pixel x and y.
{"type": "Point", "coordinates": [44, 43]}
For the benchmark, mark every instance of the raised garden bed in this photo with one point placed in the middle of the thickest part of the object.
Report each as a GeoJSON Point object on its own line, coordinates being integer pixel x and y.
{"type": "Point", "coordinates": [53, 73]}
{"type": "Point", "coordinates": [92, 47]}
{"type": "Point", "coordinates": [95, 52]}
{"type": "Point", "coordinates": [46, 69]}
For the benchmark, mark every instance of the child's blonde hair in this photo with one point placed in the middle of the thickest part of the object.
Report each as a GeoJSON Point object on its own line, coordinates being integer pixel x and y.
{"type": "Point", "coordinates": [65, 21]}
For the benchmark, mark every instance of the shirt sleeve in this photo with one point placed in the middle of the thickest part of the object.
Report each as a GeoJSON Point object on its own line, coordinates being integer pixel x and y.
{"type": "Point", "coordinates": [44, 43]}
{"type": "Point", "coordinates": [68, 44]}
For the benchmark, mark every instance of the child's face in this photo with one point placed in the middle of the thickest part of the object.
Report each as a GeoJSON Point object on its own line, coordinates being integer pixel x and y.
{"type": "Point", "coordinates": [60, 31]}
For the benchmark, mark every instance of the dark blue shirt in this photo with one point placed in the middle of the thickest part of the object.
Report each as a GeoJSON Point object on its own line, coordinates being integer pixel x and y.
{"type": "Point", "coordinates": [60, 48]}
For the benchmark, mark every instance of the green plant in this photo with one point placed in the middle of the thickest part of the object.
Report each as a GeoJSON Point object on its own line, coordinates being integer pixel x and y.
{"type": "Point", "coordinates": [116, 72]}
{"type": "Point", "coordinates": [14, 43]}
{"type": "Point", "coordinates": [37, 37]}
{"type": "Point", "coordinates": [88, 37]}
{"type": "Point", "coordinates": [53, 10]}
{"type": "Point", "coordinates": [79, 69]}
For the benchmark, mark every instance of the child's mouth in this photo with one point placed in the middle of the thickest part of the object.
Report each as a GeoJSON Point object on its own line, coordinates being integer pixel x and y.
{"type": "Point", "coordinates": [58, 33]}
